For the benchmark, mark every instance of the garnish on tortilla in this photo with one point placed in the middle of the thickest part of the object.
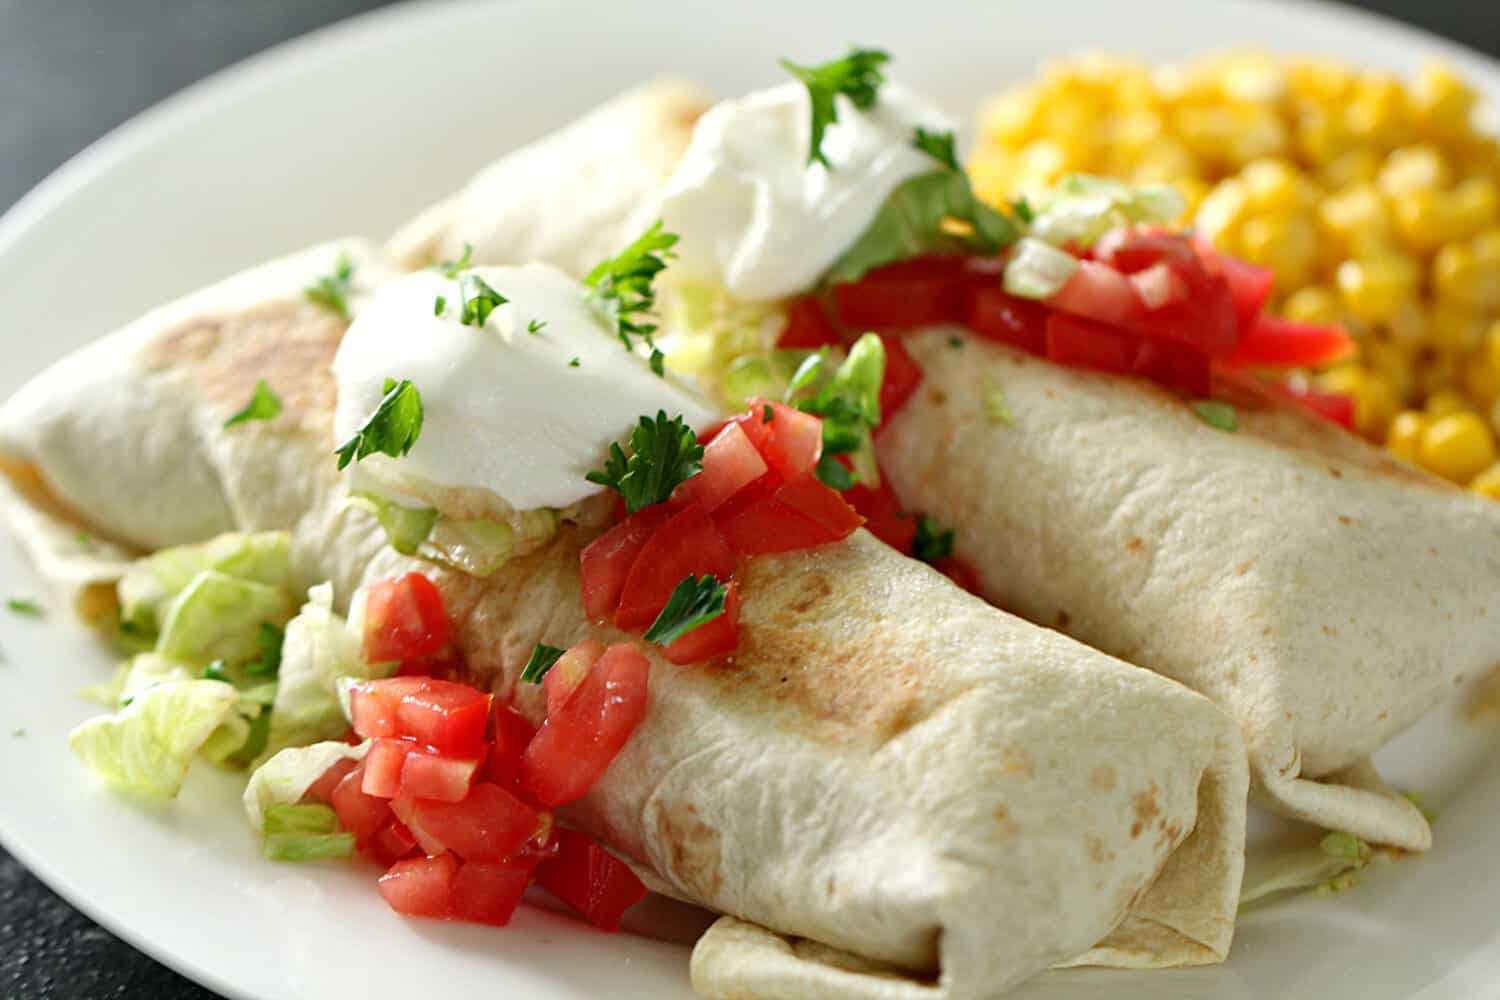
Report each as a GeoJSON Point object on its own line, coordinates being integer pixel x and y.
{"type": "Point", "coordinates": [624, 286]}
{"type": "Point", "coordinates": [391, 430]}
{"type": "Point", "coordinates": [857, 76]}
{"type": "Point", "coordinates": [264, 405]}
{"type": "Point", "coordinates": [696, 601]}
{"type": "Point", "coordinates": [332, 291]}
{"type": "Point", "coordinates": [664, 452]}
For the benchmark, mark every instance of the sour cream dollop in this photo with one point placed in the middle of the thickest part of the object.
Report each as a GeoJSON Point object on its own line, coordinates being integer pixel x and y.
{"type": "Point", "coordinates": [756, 218]}
{"type": "Point", "coordinates": [504, 408]}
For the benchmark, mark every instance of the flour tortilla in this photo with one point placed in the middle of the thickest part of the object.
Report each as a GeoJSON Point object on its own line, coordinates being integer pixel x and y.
{"type": "Point", "coordinates": [930, 789]}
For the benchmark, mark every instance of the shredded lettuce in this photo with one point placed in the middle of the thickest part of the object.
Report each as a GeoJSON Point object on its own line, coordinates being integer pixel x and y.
{"type": "Point", "coordinates": [307, 846]}
{"type": "Point", "coordinates": [219, 617]}
{"type": "Point", "coordinates": [153, 582]}
{"type": "Point", "coordinates": [848, 399]}
{"type": "Point", "coordinates": [1038, 270]}
{"type": "Point", "coordinates": [146, 746]}
{"type": "Point", "coordinates": [1080, 209]}
{"type": "Point", "coordinates": [287, 776]}
{"type": "Point", "coordinates": [406, 528]}
{"type": "Point", "coordinates": [1329, 866]}
{"type": "Point", "coordinates": [477, 546]}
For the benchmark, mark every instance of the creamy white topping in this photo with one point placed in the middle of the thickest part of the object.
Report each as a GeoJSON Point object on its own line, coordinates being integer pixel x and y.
{"type": "Point", "coordinates": [760, 221]}
{"type": "Point", "coordinates": [504, 410]}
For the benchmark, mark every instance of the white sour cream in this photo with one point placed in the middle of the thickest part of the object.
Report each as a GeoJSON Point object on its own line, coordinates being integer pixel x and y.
{"type": "Point", "coordinates": [756, 218]}
{"type": "Point", "coordinates": [503, 409]}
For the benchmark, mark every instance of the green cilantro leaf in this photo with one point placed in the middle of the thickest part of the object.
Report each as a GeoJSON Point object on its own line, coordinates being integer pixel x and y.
{"type": "Point", "coordinates": [439, 304]}
{"type": "Point", "coordinates": [263, 405]}
{"type": "Point", "coordinates": [575, 363]}
{"type": "Point", "coordinates": [536, 326]}
{"type": "Point", "coordinates": [391, 430]}
{"type": "Point", "coordinates": [476, 300]}
{"type": "Point", "coordinates": [332, 291]}
{"type": "Point", "coordinates": [1217, 414]}
{"type": "Point", "coordinates": [24, 606]}
{"type": "Point", "coordinates": [696, 601]}
{"type": "Point", "coordinates": [270, 639]}
{"type": "Point", "coordinates": [542, 659]}
{"type": "Point", "coordinates": [1021, 209]}
{"type": "Point", "coordinates": [664, 452]}
{"type": "Point", "coordinates": [857, 76]}
{"type": "Point", "coordinates": [931, 542]}
{"type": "Point", "coordinates": [625, 288]}
{"type": "Point", "coordinates": [835, 474]}
{"type": "Point", "coordinates": [450, 268]}
{"type": "Point", "coordinates": [938, 145]}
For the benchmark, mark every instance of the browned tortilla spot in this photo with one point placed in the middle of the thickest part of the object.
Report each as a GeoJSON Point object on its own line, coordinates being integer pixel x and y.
{"type": "Point", "coordinates": [1345, 519]}
{"type": "Point", "coordinates": [1135, 544]}
{"type": "Point", "coordinates": [1103, 778]}
{"type": "Point", "coordinates": [695, 853]}
{"type": "Point", "coordinates": [1146, 807]}
{"type": "Point", "coordinates": [1098, 853]}
{"type": "Point", "coordinates": [1013, 761]}
{"type": "Point", "coordinates": [1063, 620]}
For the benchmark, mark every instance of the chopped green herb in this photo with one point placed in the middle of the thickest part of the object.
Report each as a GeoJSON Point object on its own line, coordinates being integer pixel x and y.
{"type": "Point", "coordinates": [332, 291]}
{"type": "Point", "coordinates": [263, 405]}
{"type": "Point", "coordinates": [1345, 845]}
{"type": "Point", "coordinates": [391, 430]}
{"type": "Point", "coordinates": [768, 414]}
{"type": "Point", "coordinates": [695, 601]}
{"type": "Point", "coordinates": [857, 76]}
{"type": "Point", "coordinates": [575, 362]}
{"type": "Point", "coordinates": [477, 300]}
{"type": "Point", "coordinates": [658, 362]}
{"type": "Point", "coordinates": [938, 145]}
{"type": "Point", "coordinates": [84, 540]}
{"type": "Point", "coordinates": [997, 407]}
{"type": "Point", "coordinates": [1217, 414]}
{"type": "Point", "coordinates": [1021, 209]}
{"type": "Point", "coordinates": [439, 304]}
{"type": "Point", "coordinates": [270, 639]}
{"type": "Point", "coordinates": [450, 268]}
{"type": "Point", "coordinates": [543, 657]}
{"type": "Point", "coordinates": [625, 289]}
{"type": "Point", "coordinates": [664, 452]}
{"type": "Point", "coordinates": [848, 400]}
{"type": "Point", "coordinates": [536, 326]}
{"type": "Point", "coordinates": [215, 672]}
{"type": "Point", "coordinates": [831, 472]}
{"type": "Point", "coordinates": [931, 542]}
{"type": "Point", "coordinates": [24, 606]}
{"type": "Point", "coordinates": [955, 342]}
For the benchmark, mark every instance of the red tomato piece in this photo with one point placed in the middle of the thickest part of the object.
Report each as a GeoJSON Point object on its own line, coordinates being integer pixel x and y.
{"type": "Point", "coordinates": [599, 886]}
{"type": "Point", "coordinates": [912, 293]}
{"type": "Point", "coordinates": [1328, 405]}
{"type": "Point", "coordinates": [489, 825]}
{"type": "Point", "coordinates": [902, 376]}
{"type": "Point", "coordinates": [360, 814]}
{"type": "Point", "coordinates": [997, 315]}
{"type": "Point", "coordinates": [1131, 250]}
{"type": "Point", "coordinates": [420, 887]}
{"type": "Point", "coordinates": [322, 789]}
{"type": "Point", "coordinates": [1249, 286]}
{"type": "Point", "coordinates": [689, 543]}
{"type": "Point", "coordinates": [1175, 366]}
{"type": "Point", "coordinates": [569, 671]}
{"type": "Point", "coordinates": [438, 777]}
{"type": "Point", "coordinates": [1159, 286]}
{"type": "Point", "coordinates": [960, 573]}
{"type": "Point", "coordinates": [730, 463]}
{"type": "Point", "coordinates": [787, 517]}
{"type": "Point", "coordinates": [1281, 343]}
{"type": "Point", "coordinates": [373, 705]}
{"type": "Point", "coordinates": [574, 748]}
{"type": "Point", "coordinates": [791, 442]}
{"type": "Point", "coordinates": [883, 514]}
{"type": "Point", "coordinates": [511, 735]}
{"type": "Point", "coordinates": [1098, 292]}
{"type": "Point", "coordinates": [606, 561]}
{"type": "Point", "coordinates": [807, 326]}
{"type": "Point", "coordinates": [447, 665]}
{"type": "Point", "coordinates": [383, 766]}
{"type": "Point", "coordinates": [1081, 343]}
{"type": "Point", "coordinates": [393, 843]}
{"type": "Point", "coordinates": [444, 715]}
{"type": "Point", "coordinates": [719, 637]}
{"type": "Point", "coordinates": [487, 893]}
{"type": "Point", "coordinates": [404, 619]}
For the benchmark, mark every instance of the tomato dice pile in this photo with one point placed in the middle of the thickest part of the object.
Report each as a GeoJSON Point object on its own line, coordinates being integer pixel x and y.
{"type": "Point", "coordinates": [758, 494]}
{"type": "Point", "coordinates": [455, 793]}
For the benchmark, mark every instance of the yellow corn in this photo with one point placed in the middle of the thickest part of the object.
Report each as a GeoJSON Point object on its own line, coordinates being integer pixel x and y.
{"type": "Point", "coordinates": [1374, 288]}
{"type": "Point", "coordinates": [1457, 447]}
{"type": "Point", "coordinates": [1446, 402]}
{"type": "Point", "coordinates": [1404, 437]}
{"type": "Point", "coordinates": [1314, 304]}
{"type": "Point", "coordinates": [1487, 483]}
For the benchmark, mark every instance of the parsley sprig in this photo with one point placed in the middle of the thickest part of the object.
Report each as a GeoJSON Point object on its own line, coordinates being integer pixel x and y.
{"type": "Point", "coordinates": [932, 541]}
{"type": "Point", "coordinates": [857, 76]}
{"type": "Point", "coordinates": [938, 145]}
{"type": "Point", "coordinates": [664, 452]}
{"type": "Point", "coordinates": [477, 300]}
{"type": "Point", "coordinates": [391, 430]}
{"type": "Point", "coordinates": [848, 400]}
{"type": "Point", "coordinates": [543, 658]}
{"type": "Point", "coordinates": [332, 291]}
{"type": "Point", "coordinates": [264, 405]}
{"type": "Point", "coordinates": [625, 288]}
{"type": "Point", "coordinates": [696, 601]}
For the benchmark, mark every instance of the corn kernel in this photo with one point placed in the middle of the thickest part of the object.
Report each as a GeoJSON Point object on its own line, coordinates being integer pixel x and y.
{"type": "Point", "coordinates": [1374, 288]}
{"type": "Point", "coordinates": [1323, 80]}
{"type": "Point", "coordinates": [1492, 344]}
{"type": "Point", "coordinates": [1287, 244]}
{"type": "Point", "coordinates": [1222, 211]}
{"type": "Point", "coordinates": [1408, 327]}
{"type": "Point", "coordinates": [1473, 206]}
{"type": "Point", "coordinates": [1426, 219]}
{"type": "Point", "coordinates": [1454, 327]}
{"type": "Point", "coordinates": [1443, 100]}
{"type": "Point", "coordinates": [1275, 186]}
{"type": "Point", "coordinates": [1163, 159]}
{"type": "Point", "coordinates": [1349, 166]}
{"type": "Point", "coordinates": [1454, 274]}
{"type": "Point", "coordinates": [1413, 168]}
{"type": "Point", "coordinates": [1481, 380]}
{"type": "Point", "coordinates": [1379, 111]}
{"type": "Point", "coordinates": [1011, 118]}
{"type": "Point", "coordinates": [1392, 361]}
{"type": "Point", "coordinates": [1457, 447]}
{"type": "Point", "coordinates": [1446, 403]}
{"type": "Point", "coordinates": [1487, 483]}
{"type": "Point", "coordinates": [1312, 304]}
{"type": "Point", "coordinates": [1375, 406]}
{"type": "Point", "coordinates": [1357, 216]}
{"type": "Point", "coordinates": [1404, 437]}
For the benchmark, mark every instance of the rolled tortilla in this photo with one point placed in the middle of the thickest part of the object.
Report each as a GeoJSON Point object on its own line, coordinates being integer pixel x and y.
{"type": "Point", "coordinates": [937, 793]}
{"type": "Point", "coordinates": [1324, 610]}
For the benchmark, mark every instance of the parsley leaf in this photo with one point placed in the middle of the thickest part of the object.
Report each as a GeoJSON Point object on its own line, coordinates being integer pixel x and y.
{"type": "Point", "coordinates": [536, 326]}
{"type": "Point", "coordinates": [542, 659]}
{"type": "Point", "coordinates": [24, 606]}
{"type": "Point", "coordinates": [931, 542]}
{"type": "Point", "coordinates": [270, 639]}
{"type": "Point", "coordinates": [1021, 209]}
{"type": "Point", "coordinates": [664, 452]}
{"type": "Point", "coordinates": [450, 268]}
{"type": "Point", "coordinates": [575, 363]}
{"type": "Point", "coordinates": [439, 304]}
{"type": "Point", "coordinates": [1218, 415]}
{"type": "Point", "coordinates": [391, 430]}
{"type": "Point", "coordinates": [263, 405]}
{"type": "Point", "coordinates": [696, 601]}
{"type": "Point", "coordinates": [938, 145]}
{"type": "Point", "coordinates": [332, 291]}
{"type": "Point", "coordinates": [624, 285]}
{"type": "Point", "coordinates": [857, 76]}
{"type": "Point", "coordinates": [833, 473]}
{"type": "Point", "coordinates": [477, 300]}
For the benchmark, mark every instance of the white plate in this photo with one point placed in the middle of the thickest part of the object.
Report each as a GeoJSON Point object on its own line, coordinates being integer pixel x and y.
{"type": "Point", "coordinates": [348, 131]}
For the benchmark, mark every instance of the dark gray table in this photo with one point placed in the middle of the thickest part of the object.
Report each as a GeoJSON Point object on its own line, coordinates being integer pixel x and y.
{"type": "Point", "coordinates": [70, 70]}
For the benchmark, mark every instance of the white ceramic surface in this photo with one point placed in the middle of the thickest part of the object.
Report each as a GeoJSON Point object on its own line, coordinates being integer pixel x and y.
{"type": "Point", "coordinates": [348, 131]}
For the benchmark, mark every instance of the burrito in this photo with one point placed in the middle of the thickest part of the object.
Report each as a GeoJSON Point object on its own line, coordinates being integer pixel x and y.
{"type": "Point", "coordinates": [1323, 593]}
{"type": "Point", "coordinates": [892, 789]}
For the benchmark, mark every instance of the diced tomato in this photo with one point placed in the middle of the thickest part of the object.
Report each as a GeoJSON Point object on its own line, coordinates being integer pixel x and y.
{"type": "Point", "coordinates": [996, 315]}
{"type": "Point", "coordinates": [960, 573]}
{"type": "Point", "coordinates": [383, 766]}
{"type": "Point", "coordinates": [404, 619]}
{"type": "Point", "coordinates": [420, 887]}
{"type": "Point", "coordinates": [905, 295]}
{"type": "Point", "coordinates": [373, 704]}
{"type": "Point", "coordinates": [1331, 406]}
{"type": "Point", "coordinates": [360, 814]}
{"type": "Point", "coordinates": [902, 376]}
{"type": "Point", "coordinates": [1158, 286]}
{"type": "Point", "coordinates": [883, 515]}
{"type": "Point", "coordinates": [393, 843]}
{"type": "Point", "coordinates": [606, 561]}
{"type": "Point", "coordinates": [1174, 365]}
{"type": "Point", "coordinates": [786, 517]}
{"type": "Point", "coordinates": [730, 463]}
{"type": "Point", "coordinates": [1081, 343]}
{"type": "Point", "coordinates": [1196, 306]}
{"type": "Point", "coordinates": [1098, 292]}
{"type": "Point", "coordinates": [487, 893]}
{"type": "Point", "coordinates": [447, 665]}
{"type": "Point", "coordinates": [599, 886]}
{"type": "Point", "coordinates": [1281, 343]}
{"type": "Point", "coordinates": [807, 326]}
{"type": "Point", "coordinates": [569, 671]}
{"type": "Point", "coordinates": [446, 716]}
{"type": "Point", "coordinates": [511, 735]}
{"type": "Point", "coordinates": [1130, 250]}
{"type": "Point", "coordinates": [322, 789]}
{"type": "Point", "coordinates": [791, 442]}
{"type": "Point", "coordinates": [1249, 286]}
{"type": "Point", "coordinates": [438, 777]}
{"type": "Point", "coordinates": [489, 825]}
{"type": "Point", "coordinates": [719, 637]}
{"type": "Point", "coordinates": [689, 543]}
{"type": "Point", "coordinates": [574, 748]}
